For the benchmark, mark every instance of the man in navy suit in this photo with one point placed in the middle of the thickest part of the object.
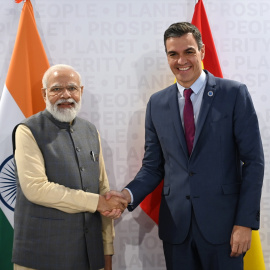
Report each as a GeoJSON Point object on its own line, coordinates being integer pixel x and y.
{"type": "Point", "coordinates": [213, 179]}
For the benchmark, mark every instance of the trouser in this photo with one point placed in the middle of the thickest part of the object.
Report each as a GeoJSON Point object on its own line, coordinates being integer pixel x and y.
{"type": "Point", "coordinates": [195, 253]}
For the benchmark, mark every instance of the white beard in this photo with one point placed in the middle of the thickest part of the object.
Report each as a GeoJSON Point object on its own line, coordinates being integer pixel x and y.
{"type": "Point", "coordinates": [63, 115]}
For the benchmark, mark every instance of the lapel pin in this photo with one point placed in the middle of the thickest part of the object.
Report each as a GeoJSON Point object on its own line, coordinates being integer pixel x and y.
{"type": "Point", "coordinates": [210, 93]}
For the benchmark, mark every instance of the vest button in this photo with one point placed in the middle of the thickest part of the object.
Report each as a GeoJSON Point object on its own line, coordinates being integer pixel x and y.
{"type": "Point", "coordinates": [78, 149]}
{"type": "Point", "coordinates": [86, 230]}
{"type": "Point", "coordinates": [82, 169]}
{"type": "Point", "coordinates": [71, 130]}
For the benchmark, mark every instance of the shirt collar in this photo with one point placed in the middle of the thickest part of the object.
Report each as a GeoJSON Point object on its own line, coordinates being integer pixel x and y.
{"type": "Point", "coordinates": [196, 86]}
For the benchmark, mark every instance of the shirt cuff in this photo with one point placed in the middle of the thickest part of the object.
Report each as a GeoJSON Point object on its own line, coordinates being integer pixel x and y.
{"type": "Point", "coordinates": [92, 202]}
{"type": "Point", "coordinates": [108, 249]}
{"type": "Point", "coordinates": [131, 196]}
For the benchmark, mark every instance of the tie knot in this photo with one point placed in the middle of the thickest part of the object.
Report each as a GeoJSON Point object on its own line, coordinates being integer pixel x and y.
{"type": "Point", "coordinates": [187, 93]}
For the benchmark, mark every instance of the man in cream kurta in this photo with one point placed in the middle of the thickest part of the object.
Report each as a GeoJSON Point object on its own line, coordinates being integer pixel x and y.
{"type": "Point", "coordinates": [30, 159]}
{"type": "Point", "coordinates": [62, 94]}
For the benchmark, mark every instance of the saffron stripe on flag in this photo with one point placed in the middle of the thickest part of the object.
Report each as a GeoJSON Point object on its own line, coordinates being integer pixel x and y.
{"type": "Point", "coordinates": [28, 64]}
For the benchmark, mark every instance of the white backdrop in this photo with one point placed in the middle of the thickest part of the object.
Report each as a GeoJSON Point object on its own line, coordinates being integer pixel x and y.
{"type": "Point", "coordinates": [117, 46]}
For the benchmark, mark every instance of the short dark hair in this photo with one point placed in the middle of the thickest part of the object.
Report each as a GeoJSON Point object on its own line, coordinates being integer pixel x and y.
{"type": "Point", "coordinates": [182, 28]}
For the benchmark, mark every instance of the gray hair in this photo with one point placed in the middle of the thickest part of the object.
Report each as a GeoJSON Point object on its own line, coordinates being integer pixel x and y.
{"type": "Point", "coordinates": [57, 67]}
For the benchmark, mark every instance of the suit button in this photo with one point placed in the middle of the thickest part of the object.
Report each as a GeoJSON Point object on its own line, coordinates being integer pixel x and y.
{"type": "Point", "coordinates": [82, 169]}
{"type": "Point", "coordinates": [86, 230]}
{"type": "Point", "coordinates": [187, 197]}
{"type": "Point", "coordinates": [78, 149]}
{"type": "Point", "coordinates": [191, 173]}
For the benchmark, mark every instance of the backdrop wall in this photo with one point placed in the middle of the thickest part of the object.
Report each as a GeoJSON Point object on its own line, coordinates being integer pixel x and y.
{"type": "Point", "coordinates": [117, 46]}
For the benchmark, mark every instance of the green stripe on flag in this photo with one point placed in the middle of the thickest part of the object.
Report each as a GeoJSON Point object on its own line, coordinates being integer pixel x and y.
{"type": "Point", "coordinates": [6, 240]}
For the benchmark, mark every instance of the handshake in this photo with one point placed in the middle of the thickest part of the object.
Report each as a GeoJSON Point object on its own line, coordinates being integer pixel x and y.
{"type": "Point", "coordinates": [113, 203]}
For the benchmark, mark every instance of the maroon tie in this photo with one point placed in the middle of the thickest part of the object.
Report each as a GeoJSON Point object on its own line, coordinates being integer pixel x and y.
{"type": "Point", "coordinates": [189, 120]}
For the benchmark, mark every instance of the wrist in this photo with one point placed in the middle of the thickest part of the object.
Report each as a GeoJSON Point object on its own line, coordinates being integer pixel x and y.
{"type": "Point", "coordinates": [100, 203]}
{"type": "Point", "coordinates": [126, 194]}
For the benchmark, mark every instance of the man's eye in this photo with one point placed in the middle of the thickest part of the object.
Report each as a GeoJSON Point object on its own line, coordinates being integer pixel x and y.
{"type": "Point", "coordinates": [56, 89]}
{"type": "Point", "coordinates": [72, 88]}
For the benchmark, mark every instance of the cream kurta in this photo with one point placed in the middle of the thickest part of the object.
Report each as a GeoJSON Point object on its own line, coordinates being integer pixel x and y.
{"type": "Point", "coordinates": [39, 190]}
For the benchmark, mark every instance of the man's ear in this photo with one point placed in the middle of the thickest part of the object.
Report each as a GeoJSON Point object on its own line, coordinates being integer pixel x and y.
{"type": "Point", "coordinates": [81, 89]}
{"type": "Point", "coordinates": [44, 93]}
{"type": "Point", "coordinates": [203, 51]}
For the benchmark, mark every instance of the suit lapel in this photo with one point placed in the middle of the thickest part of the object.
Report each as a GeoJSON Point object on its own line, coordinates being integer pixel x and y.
{"type": "Point", "coordinates": [175, 114]}
{"type": "Point", "coordinates": [208, 97]}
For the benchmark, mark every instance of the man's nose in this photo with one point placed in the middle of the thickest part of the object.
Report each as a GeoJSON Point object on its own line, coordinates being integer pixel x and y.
{"type": "Point", "coordinates": [66, 93]}
{"type": "Point", "coordinates": [182, 60]}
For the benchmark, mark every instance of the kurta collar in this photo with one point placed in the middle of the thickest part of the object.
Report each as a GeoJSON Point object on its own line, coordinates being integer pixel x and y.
{"type": "Point", "coordinates": [62, 125]}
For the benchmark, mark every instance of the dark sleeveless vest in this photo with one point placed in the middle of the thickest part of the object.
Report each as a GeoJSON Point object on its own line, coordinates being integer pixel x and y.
{"type": "Point", "coordinates": [49, 239]}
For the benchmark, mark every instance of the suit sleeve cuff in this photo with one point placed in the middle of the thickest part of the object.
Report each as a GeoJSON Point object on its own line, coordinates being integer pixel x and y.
{"type": "Point", "coordinates": [131, 195]}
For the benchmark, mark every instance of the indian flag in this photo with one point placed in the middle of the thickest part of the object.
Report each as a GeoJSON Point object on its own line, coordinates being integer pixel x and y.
{"type": "Point", "coordinates": [21, 98]}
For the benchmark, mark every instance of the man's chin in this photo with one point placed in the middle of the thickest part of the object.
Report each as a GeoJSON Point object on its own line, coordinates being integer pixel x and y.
{"type": "Point", "coordinates": [64, 110]}
{"type": "Point", "coordinates": [62, 107]}
{"type": "Point", "coordinates": [64, 114]}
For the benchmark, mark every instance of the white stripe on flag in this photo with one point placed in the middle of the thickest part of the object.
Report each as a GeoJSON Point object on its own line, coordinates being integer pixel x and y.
{"type": "Point", "coordinates": [10, 116]}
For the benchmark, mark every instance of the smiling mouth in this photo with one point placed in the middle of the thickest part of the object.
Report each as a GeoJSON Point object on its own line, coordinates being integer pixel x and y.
{"type": "Point", "coordinates": [65, 105]}
{"type": "Point", "coordinates": [184, 69]}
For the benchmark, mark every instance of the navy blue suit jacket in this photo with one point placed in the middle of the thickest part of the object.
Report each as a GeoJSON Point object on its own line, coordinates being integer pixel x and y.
{"type": "Point", "coordinates": [221, 180]}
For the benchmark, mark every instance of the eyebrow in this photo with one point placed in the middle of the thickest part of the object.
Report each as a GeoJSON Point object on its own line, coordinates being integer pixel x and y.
{"type": "Point", "coordinates": [168, 52]}
{"type": "Point", "coordinates": [190, 49]}
{"type": "Point", "coordinates": [60, 85]}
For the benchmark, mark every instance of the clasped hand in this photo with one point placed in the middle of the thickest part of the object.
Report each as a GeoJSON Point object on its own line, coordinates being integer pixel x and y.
{"type": "Point", "coordinates": [112, 204]}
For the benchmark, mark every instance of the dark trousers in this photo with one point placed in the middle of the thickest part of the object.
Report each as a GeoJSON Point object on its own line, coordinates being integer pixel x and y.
{"type": "Point", "coordinates": [198, 254]}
